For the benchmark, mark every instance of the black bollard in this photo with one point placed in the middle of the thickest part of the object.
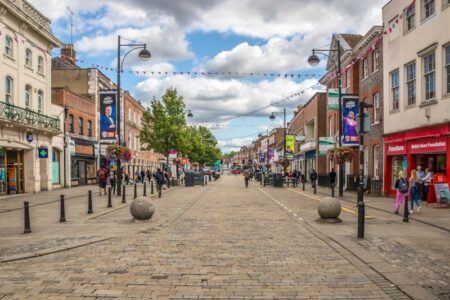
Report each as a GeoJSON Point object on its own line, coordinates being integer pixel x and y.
{"type": "Point", "coordinates": [26, 210]}
{"type": "Point", "coordinates": [135, 191]}
{"type": "Point", "coordinates": [90, 211]}
{"type": "Point", "coordinates": [303, 185]}
{"type": "Point", "coordinates": [152, 190]}
{"type": "Point", "coordinates": [314, 187]}
{"type": "Point", "coordinates": [361, 220]}
{"type": "Point", "coordinates": [145, 189]}
{"type": "Point", "coordinates": [332, 190]}
{"type": "Point", "coordinates": [109, 197]}
{"type": "Point", "coordinates": [203, 181]}
{"type": "Point", "coordinates": [124, 200]}
{"type": "Point", "coordinates": [62, 218]}
{"type": "Point", "coordinates": [406, 211]}
{"type": "Point", "coordinates": [262, 178]}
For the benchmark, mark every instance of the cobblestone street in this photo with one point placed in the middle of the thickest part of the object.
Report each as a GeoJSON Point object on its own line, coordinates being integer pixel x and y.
{"type": "Point", "coordinates": [217, 241]}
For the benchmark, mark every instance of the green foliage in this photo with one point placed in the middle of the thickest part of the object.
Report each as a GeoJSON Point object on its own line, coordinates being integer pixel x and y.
{"type": "Point", "coordinates": [202, 146]}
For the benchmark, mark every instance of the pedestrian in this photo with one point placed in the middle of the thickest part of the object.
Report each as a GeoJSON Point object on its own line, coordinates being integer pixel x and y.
{"type": "Point", "coordinates": [160, 181]}
{"type": "Point", "coordinates": [142, 176]}
{"type": "Point", "coordinates": [414, 191]}
{"type": "Point", "coordinates": [149, 175]}
{"type": "Point", "coordinates": [426, 182]}
{"type": "Point", "coordinates": [137, 176]}
{"type": "Point", "coordinates": [332, 175]}
{"type": "Point", "coordinates": [246, 174]}
{"type": "Point", "coordinates": [421, 184]}
{"type": "Point", "coordinates": [313, 177]}
{"type": "Point", "coordinates": [401, 185]}
{"type": "Point", "coordinates": [102, 177]}
{"type": "Point", "coordinates": [113, 180]}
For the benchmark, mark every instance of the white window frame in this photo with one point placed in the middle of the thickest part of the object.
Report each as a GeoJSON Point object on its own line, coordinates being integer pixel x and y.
{"type": "Point", "coordinates": [424, 9]}
{"type": "Point", "coordinates": [429, 74]}
{"type": "Point", "coordinates": [40, 67]}
{"type": "Point", "coordinates": [376, 108]}
{"type": "Point", "coordinates": [375, 61]}
{"type": "Point", "coordinates": [9, 94]}
{"type": "Point", "coordinates": [365, 67]}
{"type": "Point", "coordinates": [447, 69]}
{"type": "Point", "coordinates": [394, 90]}
{"type": "Point", "coordinates": [410, 14]}
{"type": "Point", "coordinates": [410, 81]}
{"type": "Point", "coordinates": [9, 46]}
{"type": "Point", "coordinates": [28, 96]}
{"type": "Point", "coordinates": [376, 161]}
{"type": "Point", "coordinates": [40, 101]}
{"type": "Point", "coordinates": [28, 58]}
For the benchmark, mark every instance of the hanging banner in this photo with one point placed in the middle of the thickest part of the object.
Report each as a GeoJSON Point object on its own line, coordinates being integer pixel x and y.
{"type": "Point", "coordinates": [349, 115]}
{"type": "Point", "coordinates": [290, 146]}
{"type": "Point", "coordinates": [262, 157]}
{"type": "Point", "coordinates": [270, 155]}
{"type": "Point", "coordinates": [333, 99]}
{"type": "Point", "coordinates": [325, 143]}
{"type": "Point", "coordinates": [108, 121]}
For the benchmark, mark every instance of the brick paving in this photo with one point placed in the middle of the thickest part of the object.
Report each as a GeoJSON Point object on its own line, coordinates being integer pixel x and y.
{"type": "Point", "coordinates": [220, 241]}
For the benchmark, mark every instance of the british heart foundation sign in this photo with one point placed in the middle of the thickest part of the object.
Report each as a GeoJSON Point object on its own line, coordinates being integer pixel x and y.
{"type": "Point", "coordinates": [431, 145]}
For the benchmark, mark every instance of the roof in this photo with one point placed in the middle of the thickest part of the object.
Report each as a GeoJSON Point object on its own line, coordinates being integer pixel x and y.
{"type": "Point", "coordinates": [351, 39]}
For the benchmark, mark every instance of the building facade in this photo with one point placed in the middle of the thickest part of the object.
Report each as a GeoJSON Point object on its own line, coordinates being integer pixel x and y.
{"type": "Point", "coordinates": [416, 74]}
{"type": "Point", "coordinates": [31, 140]}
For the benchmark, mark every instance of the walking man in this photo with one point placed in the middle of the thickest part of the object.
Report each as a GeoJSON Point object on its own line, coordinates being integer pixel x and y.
{"type": "Point", "coordinates": [332, 175]}
{"type": "Point", "coordinates": [113, 180]}
{"type": "Point", "coordinates": [102, 177]}
{"type": "Point", "coordinates": [246, 174]}
{"type": "Point", "coordinates": [160, 180]}
{"type": "Point", "coordinates": [313, 177]}
{"type": "Point", "coordinates": [142, 176]}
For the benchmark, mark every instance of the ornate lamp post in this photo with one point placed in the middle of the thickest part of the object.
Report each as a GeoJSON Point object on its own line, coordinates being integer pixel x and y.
{"type": "Point", "coordinates": [144, 55]}
{"type": "Point", "coordinates": [272, 117]}
{"type": "Point", "coordinates": [314, 60]}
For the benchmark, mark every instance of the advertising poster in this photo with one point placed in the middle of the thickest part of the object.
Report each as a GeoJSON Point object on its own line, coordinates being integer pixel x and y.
{"type": "Point", "coordinates": [290, 146]}
{"type": "Point", "coordinates": [333, 99]}
{"type": "Point", "coordinates": [270, 155]}
{"type": "Point", "coordinates": [108, 120]}
{"type": "Point", "coordinates": [262, 157]}
{"type": "Point", "coordinates": [349, 120]}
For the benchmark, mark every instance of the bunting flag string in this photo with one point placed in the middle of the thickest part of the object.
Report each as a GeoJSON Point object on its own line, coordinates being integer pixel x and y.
{"type": "Point", "coordinates": [197, 73]}
{"type": "Point", "coordinates": [394, 23]}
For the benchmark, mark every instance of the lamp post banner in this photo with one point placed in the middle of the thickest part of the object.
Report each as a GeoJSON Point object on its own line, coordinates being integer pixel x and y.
{"type": "Point", "coordinates": [108, 120]}
{"type": "Point", "coordinates": [290, 146]}
{"type": "Point", "coordinates": [349, 113]}
{"type": "Point", "coordinates": [333, 99]}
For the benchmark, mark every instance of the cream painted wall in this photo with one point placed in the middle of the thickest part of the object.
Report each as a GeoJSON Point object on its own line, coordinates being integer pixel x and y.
{"type": "Point", "coordinates": [401, 48]}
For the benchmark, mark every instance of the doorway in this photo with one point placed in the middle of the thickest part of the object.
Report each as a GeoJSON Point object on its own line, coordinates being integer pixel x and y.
{"type": "Point", "coordinates": [11, 171]}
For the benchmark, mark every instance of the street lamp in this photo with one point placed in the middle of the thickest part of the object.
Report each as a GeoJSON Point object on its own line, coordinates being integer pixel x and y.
{"type": "Point", "coordinates": [272, 117]}
{"type": "Point", "coordinates": [189, 113]}
{"type": "Point", "coordinates": [314, 60]}
{"type": "Point", "coordinates": [144, 55]}
{"type": "Point", "coordinates": [66, 112]}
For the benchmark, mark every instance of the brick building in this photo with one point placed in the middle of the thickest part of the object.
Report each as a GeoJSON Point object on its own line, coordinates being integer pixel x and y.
{"type": "Point", "coordinates": [81, 135]}
{"type": "Point", "coordinates": [296, 127]}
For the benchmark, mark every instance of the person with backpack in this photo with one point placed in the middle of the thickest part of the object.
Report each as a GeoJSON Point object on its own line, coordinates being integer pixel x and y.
{"type": "Point", "coordinates": [414, 191]}
{"type": "Point", "coordinates": [113, 180]}
{"type": "Point", "coordinates": [160, 181]}
{"type": "Point", "coordinates": [246, 174]}
{"type": "Point", "coordinates": [401, 185]}
{"type": "Point", "coordinates": [313, 177]}
{"type": "Point", "coordinates": [102, 177]}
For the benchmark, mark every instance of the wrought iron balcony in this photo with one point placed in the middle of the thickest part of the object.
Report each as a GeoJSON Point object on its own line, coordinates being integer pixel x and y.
{"type": "Point", "coordinates": [28, 117]}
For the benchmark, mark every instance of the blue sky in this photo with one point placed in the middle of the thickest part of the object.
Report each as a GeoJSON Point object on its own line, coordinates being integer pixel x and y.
{"type": "Point", "coordinates": [216, 36]}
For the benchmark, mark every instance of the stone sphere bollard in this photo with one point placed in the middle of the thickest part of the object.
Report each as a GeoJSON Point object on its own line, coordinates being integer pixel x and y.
{"type": "Point", "coordinates": [329, 210]}
{"type": "Point", "coordinates": [141, 208]}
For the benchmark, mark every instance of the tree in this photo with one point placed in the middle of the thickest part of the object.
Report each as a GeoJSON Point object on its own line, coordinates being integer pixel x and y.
{"type": "Point", "coordinates": [202, 145]}
{"type": "Point", "coordinates": [164, 124]}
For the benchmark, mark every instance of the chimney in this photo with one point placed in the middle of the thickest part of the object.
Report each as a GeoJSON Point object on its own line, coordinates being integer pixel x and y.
{"type": "Point", "coordinates": [68, 53]}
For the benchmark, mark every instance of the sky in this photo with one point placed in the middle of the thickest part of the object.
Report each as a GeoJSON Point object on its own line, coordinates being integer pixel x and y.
{"type": "Point", "coordinates": [215, 36]}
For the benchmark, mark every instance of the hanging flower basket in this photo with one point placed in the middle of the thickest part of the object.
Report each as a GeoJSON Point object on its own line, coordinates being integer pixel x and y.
{"type": "Point", "coordinates": [341, 154]}
{"type": "Point", "coordinates": [116, 152]}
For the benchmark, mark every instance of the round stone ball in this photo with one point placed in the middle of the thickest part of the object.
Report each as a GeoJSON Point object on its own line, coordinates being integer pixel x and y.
{"type": "Point", "coordinates": [329, 208]}
{"type": "Point", "coordinates": [141, 208]}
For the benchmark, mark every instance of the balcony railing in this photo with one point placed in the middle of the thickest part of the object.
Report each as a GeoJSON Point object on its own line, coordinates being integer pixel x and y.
{"type": "Point", "coordinates": [28, 117]}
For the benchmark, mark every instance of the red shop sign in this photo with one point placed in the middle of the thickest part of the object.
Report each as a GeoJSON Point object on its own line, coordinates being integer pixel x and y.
{"type": "Point", "coordinates": [396, 149]}
{"type": "Point", "coordinates": [430, 145]}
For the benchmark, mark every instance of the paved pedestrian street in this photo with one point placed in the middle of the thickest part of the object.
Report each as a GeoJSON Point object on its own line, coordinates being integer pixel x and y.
{"type": "Point", "coordinates": [220, 241]}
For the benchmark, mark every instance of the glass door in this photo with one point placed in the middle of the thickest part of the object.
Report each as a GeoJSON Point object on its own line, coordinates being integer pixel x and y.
{"type": "Point", "coordinates": [3, 187]}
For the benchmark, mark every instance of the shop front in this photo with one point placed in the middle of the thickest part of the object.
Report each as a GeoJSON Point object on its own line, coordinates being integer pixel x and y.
{"type": "Point", "coordinates": [83, 163]}
{"type": "Point", "coordinates": [427, 147]}
{"type": "Point", "coordinates": [11, 171]}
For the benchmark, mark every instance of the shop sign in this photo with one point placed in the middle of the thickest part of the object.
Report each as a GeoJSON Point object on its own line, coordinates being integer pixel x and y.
{"type": "Point", "coordinates": [441, 186]}
{"type": "Point", "coordinates": [429, 146]}
{"type": "Point", "coordinates": [173, 153]}
{"type": "Point", "coordinates": [299, 138]}
{"type": "Point", "coordinates": [43, 152]}
{"type": "Point", "coordinates": [396, 149]}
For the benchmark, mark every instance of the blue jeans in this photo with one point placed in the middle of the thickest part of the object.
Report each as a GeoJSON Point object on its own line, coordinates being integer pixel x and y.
{"type": "Point", "coordinates": [415, 197]}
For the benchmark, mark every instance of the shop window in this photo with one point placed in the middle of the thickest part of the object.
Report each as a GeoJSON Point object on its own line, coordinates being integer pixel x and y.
{"type": "Point", "coordinates": [441, 166]}
{"type": "Point", "coordinates": [28, 93]}
{"type": "Point", "coordinates": [410, 17]}
{"type": "Point", "coordinates": [71, 129]}
{"type": "Point", "coordinates": [428, 8]}
{"type": "Point", "coordinates": [447, 69]}
{"type": "Point", "coordinates": [429, 76]}
{"type": "Point", "coordinates": [395, 90]}
{"type": "Point", "coordinates": [399, 163]}
{"type": "Point", "coordinates": [411, 83]}
{"type": "Point", "coordinates": [28, 58]}
{"type": "Point", "coordinates": [80, 126]}
{"type": "Point", "coordinates": [40, 65]}
{"type": "Point", "coordinates": [40, 101]}
{"type": "Point", "coordinates": [9, 90]}
{"type": "Point", "coordinates": [89, 128]}
{"type": "Point", "coordinates": [55, 166]}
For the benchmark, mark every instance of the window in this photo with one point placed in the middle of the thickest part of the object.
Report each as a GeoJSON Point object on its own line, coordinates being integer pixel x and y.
{"type": "Point", "coordinates": [411, 83]}
{"type": "Point", "coordinates": [28, 93]}
{"type": "Point", "coordinates": [89, 128]}
{"type": "Point", "coordinates": [28, 58]}
{"type": "Point", "coordinates": [376, 161]}
{"type": "Point", "coordinates": [410, 16]}
{"type": "Point", "coordinates": [40, 65]}
{"type": "Point", "coordinates": [429, 76]}
{"type": "Point", "coordinates": [71, 130]}
{"type": "Point", "coordinates": [376, 108]}
{"type": "Point", "coordinates": [8, 46]}
{"type": "Point", "coordinates": [80, 126]}
{"type": "Point", "coordinates": [428, 8]}
{"type": "Point", "coordinates": [9, 89]}
{"type": "Point", "coordinates": [347, 78]}
{"type": "Point", "coordinates": [40, 101]}
{"type": "Point", "coordinates": [365, 68]}
{"type": "Point", "coordinates": [375, 60]}
{"type": "Point", "coordinates": [395, 90]}
{"type": "Point", "coordinates": [129, 114]}
{"type": "Point", "coordinates": [447, 68]}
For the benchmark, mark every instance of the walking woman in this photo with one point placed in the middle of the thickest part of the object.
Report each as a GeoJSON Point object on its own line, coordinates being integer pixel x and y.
{"type": "Point", "coordinates": [401, 185]}
{"type": "Point", "coordinates": [414, 191]}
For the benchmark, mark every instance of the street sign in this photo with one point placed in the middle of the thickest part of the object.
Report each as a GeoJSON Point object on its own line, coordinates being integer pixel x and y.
{"type": "Point", "coordinates": [43, 152]}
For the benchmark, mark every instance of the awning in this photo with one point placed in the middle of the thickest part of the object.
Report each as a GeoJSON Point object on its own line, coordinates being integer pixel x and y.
{"type": "Point", "coordinates": [14, 145]}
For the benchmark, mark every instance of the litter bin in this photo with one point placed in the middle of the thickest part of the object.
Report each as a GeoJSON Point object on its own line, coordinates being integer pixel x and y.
{"type": "Point", "coordinates": [258, 176]}
{"type": "Point", "coordinates": [277, 180]}
{"type": "Point", "coordinates": [189, 179]}
{"type": "Point", "coordinates": [198, 178]}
